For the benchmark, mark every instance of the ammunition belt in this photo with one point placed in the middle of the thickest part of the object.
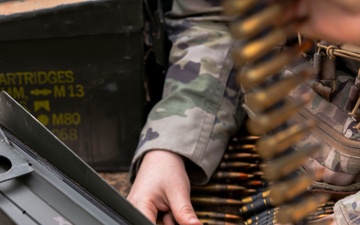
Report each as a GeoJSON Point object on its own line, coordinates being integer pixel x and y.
{"type": "Point", "coordinates": [238, 193]}
{"type": "Point", "coordinates": [238, 176]}
{"type": "Point", "coordinates": [271, 172]}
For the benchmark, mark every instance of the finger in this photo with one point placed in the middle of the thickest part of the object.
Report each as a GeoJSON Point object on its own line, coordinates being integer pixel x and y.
{"type": "Point", "coordinates": [168, 219]}
{"type": "Point", "coordinates": [183, 211]}
{"type": "Point", "coordinates": [149, 211]}
{"type": "Point", "coordinates": [186, 215]}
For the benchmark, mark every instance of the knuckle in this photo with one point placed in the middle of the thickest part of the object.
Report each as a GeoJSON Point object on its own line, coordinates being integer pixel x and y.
{"type": "Point", "coordinates": [186, 210]}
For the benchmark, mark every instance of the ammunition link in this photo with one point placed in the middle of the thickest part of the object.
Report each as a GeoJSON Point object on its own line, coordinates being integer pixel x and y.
{"type": "Point", "coordinates": [266, 179]}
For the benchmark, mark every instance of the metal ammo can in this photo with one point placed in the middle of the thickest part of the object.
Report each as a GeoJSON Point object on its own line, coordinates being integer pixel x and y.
{"type": "Point", "coordinates": [76, 66]}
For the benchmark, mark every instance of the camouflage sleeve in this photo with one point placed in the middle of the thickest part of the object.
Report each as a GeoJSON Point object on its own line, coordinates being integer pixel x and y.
{"type": "Point", "coordinates": [347, 210]}
{"type": "Point", "coordinates": [196, 115]}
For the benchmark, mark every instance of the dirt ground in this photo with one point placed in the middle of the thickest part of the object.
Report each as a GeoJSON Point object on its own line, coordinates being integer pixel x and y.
{"type": "Point", "coordinates": [118, 180]}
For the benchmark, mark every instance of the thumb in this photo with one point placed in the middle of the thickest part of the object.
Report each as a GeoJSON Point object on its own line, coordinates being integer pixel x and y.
{"type": "Point", "coordinates": [186, 215]}
{"type": "Point", "coordinates": [183, 211]}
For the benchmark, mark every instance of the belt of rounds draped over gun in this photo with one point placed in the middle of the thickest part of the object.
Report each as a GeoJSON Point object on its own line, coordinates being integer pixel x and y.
{"type": "Point", "coordinates": [258, 181]}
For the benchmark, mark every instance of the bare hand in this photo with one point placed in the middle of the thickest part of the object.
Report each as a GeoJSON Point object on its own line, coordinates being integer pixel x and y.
{"type": "Point", "coordinates": [162, 185]}
{"type": "Point", "coordinates": [332, 20]}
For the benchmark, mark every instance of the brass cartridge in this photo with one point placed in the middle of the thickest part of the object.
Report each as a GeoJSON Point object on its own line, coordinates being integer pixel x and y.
{"type": "Point", "coordinates": [298, 211]}
{"type": "Point", "coordinates": [287, 190]}
{"type": "Point", "coordinates": [271, 145]}
{"type": "Point", "coordinates": [215, 200]}
{"type": "Point", "coordinates": [283, 166]}
{"type": "Point", "coordinates": [233, 7]}
{"type": "Point", "coordinates": [265, 122]}
{"type": "Point", "coordinates": [262, 99]}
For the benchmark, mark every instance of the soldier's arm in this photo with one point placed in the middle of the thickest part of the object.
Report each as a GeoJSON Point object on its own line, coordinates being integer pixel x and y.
{"type": "Point", "coordinates": [187, 131]}
{"type": "Point", "coordinates": [196, 115]}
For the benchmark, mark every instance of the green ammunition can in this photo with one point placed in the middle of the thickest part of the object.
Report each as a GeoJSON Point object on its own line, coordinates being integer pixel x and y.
{"type": "Point", "coordinates": [77, 67]}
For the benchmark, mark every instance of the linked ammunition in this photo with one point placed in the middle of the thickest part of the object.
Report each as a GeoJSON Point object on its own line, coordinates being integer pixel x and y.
{"type": "Point", "coordinates": [313, 217]}
{"type": "Point", "coordinates": [255, 183]}
{"type": "Point", "coordinates": [216, 222]}
{"type": "Point", "coordinates": [257, 22]}
{"type": "Point", "coordinates": [257, 74]}
{"type": "Point", "coordinates": [255, 204]}
{"type": "Point", "coordinates": [258, 48]}
{"type": "Point", "coordinates": [260, 195]}
{"type": "Point", "coordinates": [322, 222]}
{"type": "Point", "coordinates": [298, 211]}
{"type": "Point", "coordinates": [256, 222]}
{"type": "Point", "coordinates": [329, 203]}
{"type": "Point", "coordinates": [266, 122]}
{"type": "Point", "coordinates": [267, 217]}
{"type": "Point", "coordinates": [283, 166]}
{"type": "Point", "coordinates": [251, 191]}
{"type": "Point", "coordinates": [238, 165]}
{"type": "Point", "coordinates": [231, 175]}
{"type": "Point", "coordinates": [266, 97]}
{"type": "Point", "coordinates": [327, 207]}
{"type": "Point", "coordinates": [287, 190]}
{"type": "Point", "coordinates": [215, 200]}
{"type": "Point", "coordinates": [217, 215]}
{"type": "Point", "coordinates": [265, 221]}
{"type": "Point", "coordinates": [269, 146]}
{"type": "Point", "coordinates": [245, 139]}
{"type": "Point", "coordinates": [262, 99]}
{"type": "Point", "coordinates": [320, 212]}
{"type": "Point", "coordinates": [258, 173]}
{"type": "Point", "coordinates": [241, 156]}
{"type": "Point", "coordinates": [247, 147]}
{"type": "Point", "coordinates": [231, 7]}
{"type": "Point", "coordinates": [218, 188]}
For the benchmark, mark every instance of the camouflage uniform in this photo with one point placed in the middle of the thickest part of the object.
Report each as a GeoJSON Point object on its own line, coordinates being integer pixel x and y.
{"type": "Point", "coordinates": [339, 139]}
{"type": "Point", "coordinates": [195, 118]}
{"type": "Point", "coordinates": [347, 210]}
